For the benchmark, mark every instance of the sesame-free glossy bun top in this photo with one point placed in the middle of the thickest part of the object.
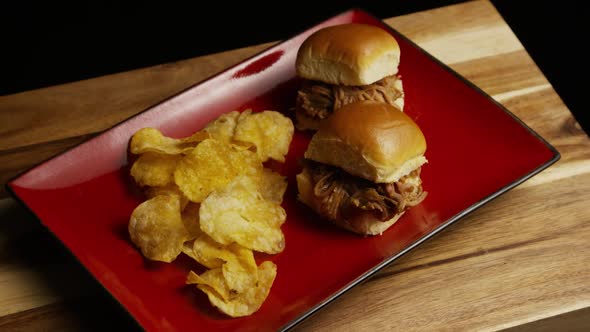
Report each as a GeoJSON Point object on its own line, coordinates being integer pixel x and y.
{"type": "Point", "coordinates": [348, 54]}
{"type": "Point", "coordinates": [372, 140]}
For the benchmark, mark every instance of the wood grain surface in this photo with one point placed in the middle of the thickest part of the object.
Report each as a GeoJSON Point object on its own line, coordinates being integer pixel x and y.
{"type": "Point", "coordinates": [519, 263]}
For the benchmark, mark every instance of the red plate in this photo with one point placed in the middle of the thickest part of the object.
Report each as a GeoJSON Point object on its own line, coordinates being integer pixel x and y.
{"type": "Point", "coordinates": [477, 150]}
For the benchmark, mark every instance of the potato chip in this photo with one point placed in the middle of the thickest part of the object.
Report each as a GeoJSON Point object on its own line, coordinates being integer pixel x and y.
{"type": "Point", "coordinates": [239, 213]}
{"type": "Point", "coordinates": [271, 185]}
{"type": "Point", "coordinates": [157, 229]}
{"type": "Point", "coordinates": [152, 140]}
{"type": "Point", "coordinates": [190, 219]}
{"type": "Point", "coordinates": [208, 252]}
{"type": "Point", "coordinates": [223, 127]}
{"type": "Point", "coordinates": [187, 249]}
{"type": "Point", "coordinates": [271, 132]}
{"type": "Point", "coordinates": [213, 280]}
{"type": "Point", "coordinates": [211, 166]}
{"type": "Point", "coordinates": [237, 263]}
{"type": "Point", "coordinates": [245, 303]}
{"type": "Point", "coordinates": [211, 198]}
{"type": "Point", "coordinates": [240, 271]}
{"type": "Point", "coordinates": [169, 189]}
{"type": "Point", "coordinates": [154, 169]}
{"type": "Point", "coordinates": [197, 137]}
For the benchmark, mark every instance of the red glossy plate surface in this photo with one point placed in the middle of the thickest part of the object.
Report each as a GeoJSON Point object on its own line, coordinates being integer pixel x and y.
{"type": "Point", "coordinates": [476, 151]}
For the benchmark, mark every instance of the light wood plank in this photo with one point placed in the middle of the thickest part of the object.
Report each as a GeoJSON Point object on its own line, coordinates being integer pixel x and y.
{"type": "Point", "coordinates": [469, 31]}
{"type": "Point", "coordinates": [97, 313]}
{"type": "Point", "coordinates": [28, 287]}
{"type": "Point", "coordinates": [503, 73]}
{"type": "Point", "coordinates": [574, 321]}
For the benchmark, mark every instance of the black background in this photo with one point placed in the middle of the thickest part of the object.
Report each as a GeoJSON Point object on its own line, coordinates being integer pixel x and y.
{"type": "Point", "coordinates": [51, 42]}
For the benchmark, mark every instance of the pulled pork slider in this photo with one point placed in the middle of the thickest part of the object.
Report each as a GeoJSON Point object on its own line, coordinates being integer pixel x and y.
{"type": "Point", "coordinates": [342, 64]}
{"type": "Point", "coordinates": [362, 167]}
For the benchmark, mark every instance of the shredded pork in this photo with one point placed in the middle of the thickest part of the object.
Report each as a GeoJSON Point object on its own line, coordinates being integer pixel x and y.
{"type": "Point", "coordinates": [319, 100]}
{"type": "Point", "coordinates": [341, 193]}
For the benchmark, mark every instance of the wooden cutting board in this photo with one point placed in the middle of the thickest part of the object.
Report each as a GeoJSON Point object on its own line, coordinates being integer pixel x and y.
{"type": "Point", "coordinates": [520, 262]}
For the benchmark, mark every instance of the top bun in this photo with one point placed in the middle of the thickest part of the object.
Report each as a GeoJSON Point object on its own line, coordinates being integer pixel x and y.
{"type": "Point", "coordinates": [369, 139]}
{"type": "Point", "coordinates": [348, 54]}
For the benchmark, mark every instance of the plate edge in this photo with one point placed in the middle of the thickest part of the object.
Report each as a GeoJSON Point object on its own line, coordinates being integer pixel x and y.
{"type": "Point", "coordinates": [367, 275]}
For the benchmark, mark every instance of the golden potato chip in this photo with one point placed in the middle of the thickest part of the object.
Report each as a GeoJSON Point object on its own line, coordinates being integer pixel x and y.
{"type": "Point", "coordinates": [211, 166]}
{"type": "Point", "coordinates": [152, 140]}
{"type": "Point", "coordinates": [154, 169]}
{"type": "Point", "coordinates": [213, 280]}
{"type": "Point", "coordinates": [156, 228]}
{"type": "Point", "coordinates": [237, 263]}
{"type": "Point", "coordinates": [210, 197]}
{"type": "Point", "coordinates": [239, 213]}
{"type": "Point", "coordinates": [271, 185]}
{"type": "Point", "coordinates": [187, 249]}
{"type": "Point", "coordinates": [240, 271]}
{"type": "Point", "coordinates": [208, 252]}
{"type": "Point", "coordinates": [169, 189]}
{"type": "Point", "coordinates": [223, 127]}
{"type": "Point", "coordinates": [247, 302]}
{"type": "Point", "coordinates": [271, 132]}
{"type": "Point", "coordinates": [197, 137]}
{"type": "Point", "coordinates": [190, 219]}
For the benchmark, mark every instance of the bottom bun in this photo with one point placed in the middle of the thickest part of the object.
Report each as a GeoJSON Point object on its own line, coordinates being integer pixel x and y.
{"type": "Point", "coordinates": [363, 222]}
{"type": "Point", "coordinates": [366, 224]}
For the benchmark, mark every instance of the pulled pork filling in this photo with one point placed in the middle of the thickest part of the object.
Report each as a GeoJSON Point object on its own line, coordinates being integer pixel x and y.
{"type": "Point", "coordinates": [318, 100]}
{"type": "Point", "coordinates": [340, 193]}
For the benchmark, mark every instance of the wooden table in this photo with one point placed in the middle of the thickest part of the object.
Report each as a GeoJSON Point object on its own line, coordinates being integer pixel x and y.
{"type": "Point", "coordinates": [521, 261]}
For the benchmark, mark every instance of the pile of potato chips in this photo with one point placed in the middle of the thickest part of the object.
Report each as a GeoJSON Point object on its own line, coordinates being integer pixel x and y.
{"type": "Point", "coordinates": [210, 197]}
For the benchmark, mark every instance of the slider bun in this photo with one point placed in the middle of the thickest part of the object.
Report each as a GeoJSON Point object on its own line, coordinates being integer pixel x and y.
{"type": "Point", "coordinates": [348, 54]}
{"type": "Point", "coordinates": [364, 223]}
{"type": "Point", "coordinates": [369, 139]}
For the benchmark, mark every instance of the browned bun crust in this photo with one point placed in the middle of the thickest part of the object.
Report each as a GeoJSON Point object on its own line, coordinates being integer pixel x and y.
{"type": "Point", "coordinates": [371, 140]}
{"type": "Point", "coordinates": [348, 54]}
